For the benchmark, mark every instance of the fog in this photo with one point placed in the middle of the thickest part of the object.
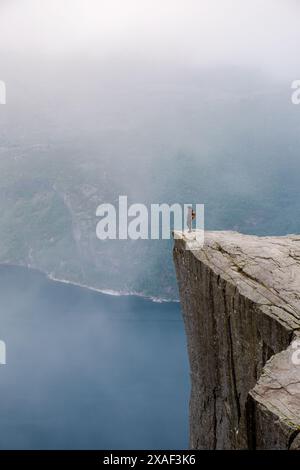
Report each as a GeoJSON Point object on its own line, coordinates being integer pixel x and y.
{"type": "Point", "coordinates": [162, 101]}
{"type": "Point", "coordinates": [249, 33]}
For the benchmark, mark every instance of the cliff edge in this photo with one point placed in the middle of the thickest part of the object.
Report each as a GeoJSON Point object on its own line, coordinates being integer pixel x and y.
{"type": "Point", "coordinates": [240, 297]}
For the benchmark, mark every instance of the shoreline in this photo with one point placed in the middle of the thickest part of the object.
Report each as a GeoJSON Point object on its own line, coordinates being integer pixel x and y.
{"type": "Point", "coordinates": [110, 292]}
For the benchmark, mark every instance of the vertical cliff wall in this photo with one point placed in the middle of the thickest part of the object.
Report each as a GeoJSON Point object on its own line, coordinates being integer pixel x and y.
{"type": "Point", "coordinates": [240, 298]}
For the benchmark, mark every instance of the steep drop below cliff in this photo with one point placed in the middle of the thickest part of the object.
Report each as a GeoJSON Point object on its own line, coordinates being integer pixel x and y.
{"type": "Point", "coordinates": [240, 298]}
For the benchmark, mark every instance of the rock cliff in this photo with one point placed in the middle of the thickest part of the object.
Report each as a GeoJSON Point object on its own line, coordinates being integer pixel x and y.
{"type": "Point", "coordinates": [240, 298]}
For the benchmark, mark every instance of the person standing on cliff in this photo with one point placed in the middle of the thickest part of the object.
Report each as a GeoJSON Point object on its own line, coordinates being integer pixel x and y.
{"type": "Point", "coordinates": [190, 217]}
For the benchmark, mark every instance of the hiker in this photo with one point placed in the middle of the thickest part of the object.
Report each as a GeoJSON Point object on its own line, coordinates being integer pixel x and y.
{"type": "Point", "coordinates": [190, 217]}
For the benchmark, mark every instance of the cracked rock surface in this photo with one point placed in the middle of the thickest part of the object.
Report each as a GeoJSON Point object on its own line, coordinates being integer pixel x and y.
{"type": "Point", "coordinates": [240, 298]}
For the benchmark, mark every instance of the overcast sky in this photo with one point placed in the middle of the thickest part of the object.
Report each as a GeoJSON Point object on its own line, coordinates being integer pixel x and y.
{"type": "Point", "coordinates": [257, 33]}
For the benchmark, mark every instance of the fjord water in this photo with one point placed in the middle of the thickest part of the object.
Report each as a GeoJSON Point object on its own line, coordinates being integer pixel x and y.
{"type": "Point", "coordinates": [87, 370]}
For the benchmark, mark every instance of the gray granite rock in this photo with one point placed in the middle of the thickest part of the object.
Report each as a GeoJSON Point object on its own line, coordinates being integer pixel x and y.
{"type": "Point", "coordinates": [240, 298]}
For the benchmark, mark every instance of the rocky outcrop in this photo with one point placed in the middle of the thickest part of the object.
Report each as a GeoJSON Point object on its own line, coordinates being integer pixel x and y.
{"type": "Point", "coordinates": [240, 298]}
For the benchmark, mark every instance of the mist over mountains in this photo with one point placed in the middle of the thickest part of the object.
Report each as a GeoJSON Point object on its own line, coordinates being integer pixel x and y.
{"type": "Point", "coordinates": [77, 133]}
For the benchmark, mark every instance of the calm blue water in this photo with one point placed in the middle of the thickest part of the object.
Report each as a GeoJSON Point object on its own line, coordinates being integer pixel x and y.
{"type": "Point", "coordinates": [89, 371]}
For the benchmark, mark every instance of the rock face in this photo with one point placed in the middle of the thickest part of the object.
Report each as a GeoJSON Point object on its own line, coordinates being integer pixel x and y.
{"type": "Point", "coordinates": [240, 298]}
